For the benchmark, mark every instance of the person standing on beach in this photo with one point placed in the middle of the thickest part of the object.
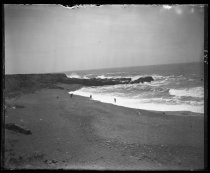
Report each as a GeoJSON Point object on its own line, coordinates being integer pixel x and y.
{"type": "Point", "coordinates": [71, 94]}
{"type": "Point", "coordinates": [115, 100]}
{"type": "Point", "coordinates": [90, 96]}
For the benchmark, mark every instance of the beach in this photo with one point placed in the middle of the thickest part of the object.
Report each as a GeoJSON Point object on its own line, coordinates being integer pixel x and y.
{"type": "Point", "coordinates": [105, 87]}
{"type": "Point", "coordinates": [80, 133]}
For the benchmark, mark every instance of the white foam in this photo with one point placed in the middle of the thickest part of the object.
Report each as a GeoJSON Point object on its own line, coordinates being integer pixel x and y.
{"type": "Point", "coordinates": [75, 75]}
{"type": "Point", "coordinates": [193, 92]}
{"type": "Point", "coordinates": [133, 78]}
{"type": "Point", "coordinates": [147, 104]}
{"type": "Point", "coordinates": [114, 77]}
{"type": "Point", "coordinates": [111, 77]}
{"type": "Point", "coordinates": [105, 77]}
{"type": "Point", "coordinates": [156, 77]}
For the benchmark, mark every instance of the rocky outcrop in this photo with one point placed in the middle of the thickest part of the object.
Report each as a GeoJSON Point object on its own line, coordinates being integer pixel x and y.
{"type": "Point", "coordinates": [27, 83]}
{"type": "Point", "coordinates": [112, 81]}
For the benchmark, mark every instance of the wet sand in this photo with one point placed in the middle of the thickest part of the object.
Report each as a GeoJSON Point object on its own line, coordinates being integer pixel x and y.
{"type": "Point", "coordinates": [79, 133]}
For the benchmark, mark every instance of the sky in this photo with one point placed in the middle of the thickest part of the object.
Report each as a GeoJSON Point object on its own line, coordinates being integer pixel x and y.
{"type": "Point", "coordinates": [53, 38]}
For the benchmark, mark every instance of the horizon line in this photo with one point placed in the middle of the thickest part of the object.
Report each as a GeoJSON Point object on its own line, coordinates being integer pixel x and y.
{"type": "Point", "coordinates": [60, 72]}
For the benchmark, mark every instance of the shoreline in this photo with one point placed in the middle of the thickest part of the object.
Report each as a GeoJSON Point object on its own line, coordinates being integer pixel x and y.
{"type": "Point", "coordinates": [81, 133]}
{"type": "Point", "coordinates": [180, 112]}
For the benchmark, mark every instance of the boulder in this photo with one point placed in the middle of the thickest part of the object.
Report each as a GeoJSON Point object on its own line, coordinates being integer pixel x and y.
{"type": "Point", "coordinates": [17, 128]}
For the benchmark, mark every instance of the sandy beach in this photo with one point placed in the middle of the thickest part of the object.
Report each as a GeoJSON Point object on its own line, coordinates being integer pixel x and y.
{"type": "Point", "coordinates": [105, 87]}
{"type": "Point", "coordinates": [79, 133]}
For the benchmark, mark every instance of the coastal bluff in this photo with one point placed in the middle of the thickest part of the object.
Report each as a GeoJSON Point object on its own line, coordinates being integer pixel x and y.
{"type": "Point", "coordinates": [30, 82]}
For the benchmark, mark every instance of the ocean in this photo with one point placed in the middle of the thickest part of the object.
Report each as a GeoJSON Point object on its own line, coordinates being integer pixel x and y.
{"type": "Point", "coordinates": [176, 87]}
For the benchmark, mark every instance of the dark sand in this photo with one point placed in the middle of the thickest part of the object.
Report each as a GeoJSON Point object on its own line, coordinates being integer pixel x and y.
{"type": "Point", "coordinates": [79, 133]}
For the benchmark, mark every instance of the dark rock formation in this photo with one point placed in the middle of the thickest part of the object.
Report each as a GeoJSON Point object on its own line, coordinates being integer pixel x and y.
{"type": "Point", "coordinates": [112, 81]}
{"type": "Point", "coordinates": [98, 82]}
{"type": "Point", "coordinates": [17, 128]}
{"type": "Point", "coordinates": [27, 83]}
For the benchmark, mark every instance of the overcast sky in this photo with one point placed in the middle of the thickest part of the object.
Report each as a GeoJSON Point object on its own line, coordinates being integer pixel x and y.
{"type": "Point", "coordinates": [52, 38]}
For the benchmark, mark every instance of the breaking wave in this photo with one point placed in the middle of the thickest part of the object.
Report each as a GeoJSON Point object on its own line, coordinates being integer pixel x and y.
{"type": "Point", "coordinates": [171, 90]}
{"type": "Point", "coordinates": [157, 104]}
{"type": "Point", "coordinates": [143, 96]}
{"type": "Point", "coordinates": [75, 75]}
{"type": "Point", "coordinates": [192, 92]}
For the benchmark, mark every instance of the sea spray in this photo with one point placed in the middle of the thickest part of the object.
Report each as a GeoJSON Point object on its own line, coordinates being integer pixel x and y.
{"type": "Point", "coordinates": [158, 104]}
{"type": "Point", "coordinates": [175, 87]}
{"type": "Point", "coordinates": [193, 92]}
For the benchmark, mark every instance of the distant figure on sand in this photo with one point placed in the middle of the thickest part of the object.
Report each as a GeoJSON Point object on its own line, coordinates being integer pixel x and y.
{"type": "Point", "coordinates": [71, 95]}
{"type": "Point", "coordinates": [90, 96]}
{"type": "Point", "coordinates": [115, 100]}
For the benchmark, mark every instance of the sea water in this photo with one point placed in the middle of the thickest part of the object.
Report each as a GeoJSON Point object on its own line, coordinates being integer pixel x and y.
{"type": "Point", "coordinates": [176, 87]}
